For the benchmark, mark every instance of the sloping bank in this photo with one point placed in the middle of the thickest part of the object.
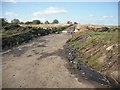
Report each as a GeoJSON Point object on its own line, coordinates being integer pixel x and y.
{"type": "Point", "coordinates": [27, 34]}
{"type": "Point", "coordinates": [95, 55]}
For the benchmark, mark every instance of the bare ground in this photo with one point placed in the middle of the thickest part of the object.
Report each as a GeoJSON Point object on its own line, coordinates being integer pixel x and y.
{"type": "Point", "coordinates": [40, 63]}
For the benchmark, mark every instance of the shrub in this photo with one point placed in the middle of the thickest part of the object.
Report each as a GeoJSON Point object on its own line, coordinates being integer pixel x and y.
{"type": "Point", "coordinates": [46, 22]}
{"type": "Point", "coordinates": [55, 21]}
{"type": "Point", "coordinates": [28, 22]}
{"type": "Point", "coordinates": [3, 21]}
{"type": "Point", "coordinates": [36, 22]}
{"type": "Point", "coordinates": [105, 28]}
{"type": "Point", "coordinates": [15, 21]}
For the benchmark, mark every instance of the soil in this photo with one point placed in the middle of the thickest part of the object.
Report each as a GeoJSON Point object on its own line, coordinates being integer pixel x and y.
{"type": "Point", "coordinates": [41, 63]}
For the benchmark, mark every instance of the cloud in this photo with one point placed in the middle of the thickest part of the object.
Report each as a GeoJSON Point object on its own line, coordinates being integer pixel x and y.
{"type": "Point", "coordinates": [12, 1]}
{"type": "Point", "coordinates": [11, 14]}
{"type": "Point", "coordinates": [107, 17]}
{"type": "Point", "coordinates": [91, 15]}
{"type": "Point", "coordinates": [50, 10]}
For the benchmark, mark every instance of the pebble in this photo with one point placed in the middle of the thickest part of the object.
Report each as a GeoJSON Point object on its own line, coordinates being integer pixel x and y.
{"type": "Point", "coordinates": [33, 50]}
{"type": "Point", "coordinates": [83, 73]}
{"type": "Point", "coordinates": [109, 48]}
{"type": "Point", "coordinates": [109, 63]}
{"type": "Point", "coordinates": [79, 68]}
{"type": "Point", "coordinates": [76, 79]}
{"type": "Point", "coordinates": [20, 49]}
{"type": "Point", "coordinates": [29, 55]}
{"type": "Point", "coordinates": [74, 62]}
{"type": "Point", "coordinates": [36, 52]}
{"type": "Point", "coordinates": [104, 46]}
{"type": "Point", "coordinates": [38, 34]}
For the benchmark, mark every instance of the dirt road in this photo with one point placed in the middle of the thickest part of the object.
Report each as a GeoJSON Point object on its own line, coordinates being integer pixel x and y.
{"type": "Point", "coordinates": [40, 64]}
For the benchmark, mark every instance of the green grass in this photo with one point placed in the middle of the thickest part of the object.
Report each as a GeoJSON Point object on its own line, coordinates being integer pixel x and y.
{"type": "Point", "coordinates": [106, 36]}
{"type": "Point", "coordinates": [93, 39]}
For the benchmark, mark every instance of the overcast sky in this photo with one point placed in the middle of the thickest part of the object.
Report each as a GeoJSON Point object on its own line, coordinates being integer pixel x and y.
{"type": "Point", "coordinates": [83, 12]}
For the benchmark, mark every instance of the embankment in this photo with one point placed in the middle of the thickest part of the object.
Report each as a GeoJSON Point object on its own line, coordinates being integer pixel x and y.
{"type": "Point", "coordinates": [99, 51]}
{"type": "Point", "coordinates": [8, 41]}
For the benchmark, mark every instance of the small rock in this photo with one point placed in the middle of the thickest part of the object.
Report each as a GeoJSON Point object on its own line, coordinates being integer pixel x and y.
{"type": "Point", "coordinates": [29, 55]}
{"type": "Point", "coordinates": [33, 50]}
{"type": "Point", "coordinates": [104, 79]}
{"type": "Point", "coordinates": [105, 68]}
{"type": "Point", "coordinates": [71, 61]}
{"type": "Point", "coordinates": [76, 79]}
{"type": "Point", "coordinates": [76, 30]}
{"type": "Point", "coordinates": [83, 73]}
{"type": "Point", "coordinates": [38, 34]}
{"type": "Point", "coordinates": [109, 48]}
{"type": "Point", "coordinates": [74, 62]}
{"type": "Point", "coordinates": [104, 46]}
{"type": "Point", "coordinates": [109, 63]}
{"type": "Point", "coordinates": [19, 49]}
{"type": "Point", "coordinates": [78, 68]}
{"type": "Point", "coordinates": [36, 52]}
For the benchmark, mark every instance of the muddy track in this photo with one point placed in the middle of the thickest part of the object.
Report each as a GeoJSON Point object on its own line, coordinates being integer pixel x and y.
{"type": "Point", "coordinates": [41, 63]}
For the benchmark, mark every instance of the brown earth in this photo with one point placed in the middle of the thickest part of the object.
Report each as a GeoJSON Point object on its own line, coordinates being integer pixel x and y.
{"type": "Point", "coordinates": [40, 63]}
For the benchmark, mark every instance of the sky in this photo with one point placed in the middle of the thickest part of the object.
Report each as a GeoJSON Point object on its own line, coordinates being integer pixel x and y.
{"type": "Point", "coordinates": [83, 12]}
